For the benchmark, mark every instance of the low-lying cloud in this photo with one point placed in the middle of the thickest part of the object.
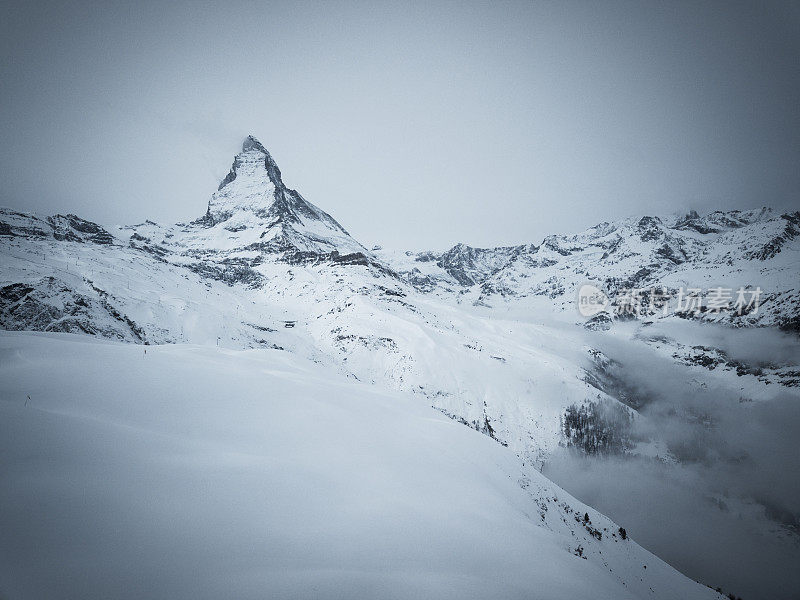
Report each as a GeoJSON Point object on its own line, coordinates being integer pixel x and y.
{"type": "Point", "coordinates": [728, 512]}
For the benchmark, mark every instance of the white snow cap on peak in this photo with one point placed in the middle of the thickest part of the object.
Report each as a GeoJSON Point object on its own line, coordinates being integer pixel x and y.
{"type": "Point", "coordinates": [253, 198]}
{"type": "Point", "coordinates": [253, 152]}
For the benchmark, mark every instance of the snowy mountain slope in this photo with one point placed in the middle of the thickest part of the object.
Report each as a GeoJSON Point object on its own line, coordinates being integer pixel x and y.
{"type": "Point", "coordinates": [194, 472]}
{"type": "Point", "coordinates": [503, 377]}
{"type": "Point", "coordinates": [490, 338]}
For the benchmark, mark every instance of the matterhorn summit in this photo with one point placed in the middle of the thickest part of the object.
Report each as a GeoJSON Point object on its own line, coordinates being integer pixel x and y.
{"type": "Point", "coordinates": [254, 216]}
{"type": "Point", "coordinates": [253, 184]}
{"type": "Point", "coordinates": [253, 202]}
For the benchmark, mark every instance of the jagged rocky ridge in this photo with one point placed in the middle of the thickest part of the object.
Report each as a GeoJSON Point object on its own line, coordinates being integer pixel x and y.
{"type": "Point", "coordinates": [732, 249]}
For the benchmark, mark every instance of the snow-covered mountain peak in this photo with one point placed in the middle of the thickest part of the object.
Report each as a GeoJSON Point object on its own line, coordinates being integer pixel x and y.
{"type": "Point", "coordinates": [253, 152]}
{"type": "Point", "coordinates": [253, 214]}
{"type": "Point", "coordinates": [250, 185]}
{"type": "Point", "coordinates": [252, 143]}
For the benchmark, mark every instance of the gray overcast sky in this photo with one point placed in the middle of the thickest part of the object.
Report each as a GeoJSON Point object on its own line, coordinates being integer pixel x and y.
{"type": "Point", "coordinates": [414, 124]}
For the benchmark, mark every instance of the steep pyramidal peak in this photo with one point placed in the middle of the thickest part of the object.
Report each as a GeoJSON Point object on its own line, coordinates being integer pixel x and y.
{"type": "Point", "coordinates": [254, 203]}
{"type": "Point", "coordinates": [253, 184]}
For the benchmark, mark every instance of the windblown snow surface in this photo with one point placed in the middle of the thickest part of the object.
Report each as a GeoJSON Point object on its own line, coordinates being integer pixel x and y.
{"type": "Point", "coordinates": [195, 472]}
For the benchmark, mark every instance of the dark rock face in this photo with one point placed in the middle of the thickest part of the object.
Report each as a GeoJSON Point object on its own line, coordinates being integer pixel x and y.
{"type": "Point", "coordinates": [75, 229]}
{"type": "Point", "coordinates": [228, 178]}
{"type": "Point", "coordinates": [775, 245]}
{"type": "Point", "coordinates": [599, 322]}
{"type": "Point", "coordinates": [718, 221]}
{"type": "Point", "coordinates": [668, 252]}
{"type": "Point", "coordinates": [145, 244]}
{"type": "Point", "coordinates": [468, 265]}
{"type": "Point", "coordinates": [791, 325]}
{"type": "Point", "coordinates": [15, 292]}
{"type": "Point", "coordinates": [457, 260]}
{"type": "Point", "coordinates": [693, 221]}
{"type": "Point", "coordinates": [556, 245]}
{"type": "Point", "coordinates": [611, 247]}
{"type": "Point", "coordinates": [51, 305]}
{"type": "Point", "coordinates": [230, 272]}
{"type": "Point", "coordinates": [64, 228]}
{"type": "Point", "coordinates": [355, 258]}
{"type": "Point", "coordinates": [650, 229]}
